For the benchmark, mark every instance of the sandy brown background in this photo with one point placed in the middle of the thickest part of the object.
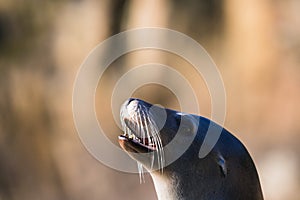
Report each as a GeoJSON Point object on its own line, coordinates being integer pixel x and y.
{"type": "Point", "coordinates": [255, 44]}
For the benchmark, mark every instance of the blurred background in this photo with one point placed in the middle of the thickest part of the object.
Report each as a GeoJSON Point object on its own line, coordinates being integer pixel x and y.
{"type": "Point", "coordinates": [255, 44]}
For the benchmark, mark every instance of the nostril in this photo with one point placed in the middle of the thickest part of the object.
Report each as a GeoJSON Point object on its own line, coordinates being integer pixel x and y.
{"type": "Point", "coordinates": [130, 100]}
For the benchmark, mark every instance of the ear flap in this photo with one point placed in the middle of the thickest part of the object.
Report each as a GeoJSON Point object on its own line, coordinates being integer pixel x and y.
{"type": "Point", "coordinates": [222, 164]}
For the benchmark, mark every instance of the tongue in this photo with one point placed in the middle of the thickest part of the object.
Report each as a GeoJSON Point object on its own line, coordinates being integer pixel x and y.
{"type": "Point", "coordinates": [152, 147]}
{"type": "Point", "coordinates": [145, 141]}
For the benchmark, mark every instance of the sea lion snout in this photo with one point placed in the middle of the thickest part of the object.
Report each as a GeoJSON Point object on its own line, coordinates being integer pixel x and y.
{"type": "Point", "coordinates": [138, 111]}
{"type": "Point", "coordinates": [134, 103]}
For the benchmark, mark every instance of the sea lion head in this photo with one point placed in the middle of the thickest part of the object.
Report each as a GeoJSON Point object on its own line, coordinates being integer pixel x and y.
{"type": "Point", "coordinates": [167, 143]}
{"type": "Point", "coordinates": [156, 136]}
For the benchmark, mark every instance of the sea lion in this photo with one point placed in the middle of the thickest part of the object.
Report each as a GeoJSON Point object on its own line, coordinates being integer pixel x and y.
{"type": "Point", "coordinates": [227, 172]}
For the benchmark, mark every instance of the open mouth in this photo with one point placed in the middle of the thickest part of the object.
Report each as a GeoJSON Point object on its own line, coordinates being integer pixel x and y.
{"type": "Point", "coordinates": [134, 142]}
{"type": "Point", "coordinates": [141, 138]}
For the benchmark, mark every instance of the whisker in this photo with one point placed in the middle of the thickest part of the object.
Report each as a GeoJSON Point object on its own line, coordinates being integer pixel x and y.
{"type": "Point", "coordinates": [144, 129]}
{"type": "Point", "coordinates": [140, 166]}
{"type": "Point", "coordinates": [141, 173]}
{"type": "Point", "coordinates": [148, 136]}
{"type": "Point", "coordinates": [157, 141]}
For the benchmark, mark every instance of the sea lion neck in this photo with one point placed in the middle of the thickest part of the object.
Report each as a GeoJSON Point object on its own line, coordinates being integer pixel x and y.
{"type": "Point", "coordinates": [182, 180]}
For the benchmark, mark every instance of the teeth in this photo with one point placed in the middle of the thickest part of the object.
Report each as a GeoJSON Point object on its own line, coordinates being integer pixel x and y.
{"type": "Point", "coordinates": [131, 136]}
{"type": "Point", "coordinates": [149, 142]}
